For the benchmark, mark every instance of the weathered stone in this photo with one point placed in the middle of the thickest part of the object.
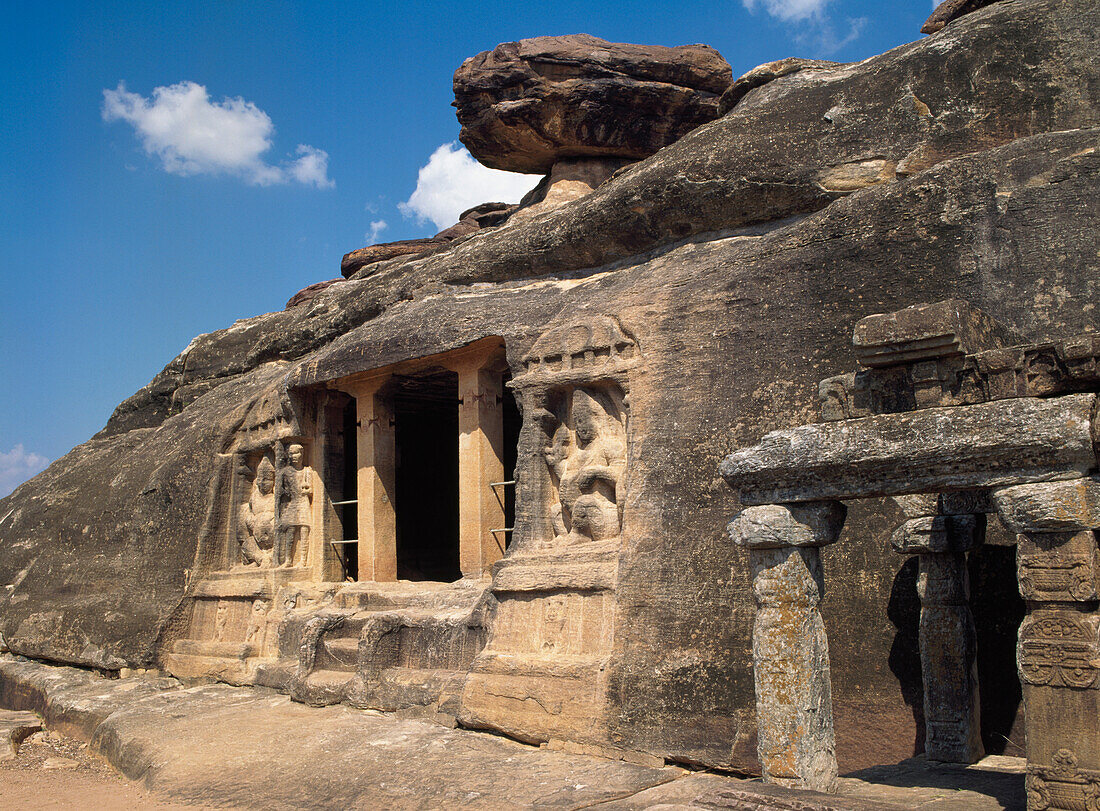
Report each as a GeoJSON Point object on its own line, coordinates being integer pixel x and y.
{"type": "Point", "coordinates": [985, 445]}
{"type": "Point", "coordinates": [762, 74]}
{"type": "Point", "coordinates": [356, 260]}
{"type": "Point", "coordinates": [791, 666]}
{"type": "Point", "coordinates": [569, 179]}
{"type": "Point", "coordinates": [1051, 507]}
{"type": "Point", "coordinates": [308, 294]}
{"type": "Point", "coordinates": [525, 105]}
{"type": "Point", "coordinates": [1035, 370]}
{"type": "Point", "coordinates": [1058, 566]}
{"type": "Point", "coordinates": [938, 533]}
{"type": "Point", "coordinates": [487, 215]}
{"type": "Point", "coordinates": [926, 332]}
{"type": "Point", "coordinates": [950, 10]}
{"type": "Point", "coordinates": [774, 526]}
{"type": "Point", "coordinates": [16, 727]}
{"type": "Point", "coordinates": [1009, 226]}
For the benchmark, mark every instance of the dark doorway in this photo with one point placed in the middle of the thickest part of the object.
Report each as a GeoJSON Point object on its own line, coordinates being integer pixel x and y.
{"type": "Point", "coordinates": [513, 421]}
{"type": "Point", "coordinates": [348, 553]}
{"type": "Point", "coordinates": [425, 406]}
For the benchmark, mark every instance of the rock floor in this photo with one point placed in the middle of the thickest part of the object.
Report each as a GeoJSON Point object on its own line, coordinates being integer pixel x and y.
{"type": "Point", "coordinates": [227, 747]}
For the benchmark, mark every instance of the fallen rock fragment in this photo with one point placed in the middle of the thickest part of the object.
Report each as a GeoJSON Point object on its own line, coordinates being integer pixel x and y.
{"type": "Point", "coordinates": [525, 105]}
{"type": "Point", "coordinates": [951, 10]}
{"type": "Point", "coordinates": [762, 74]}
{"type": "Point", "coordinates": [308, 294]}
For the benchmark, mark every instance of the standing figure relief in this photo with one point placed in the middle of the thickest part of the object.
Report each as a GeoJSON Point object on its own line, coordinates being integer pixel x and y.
{"type": "Point", "coordinates": [295, 502]}
{"type": "Point", "coordinates": [587, 461]}
{"type": "Point", "coordinates": [256, 519]}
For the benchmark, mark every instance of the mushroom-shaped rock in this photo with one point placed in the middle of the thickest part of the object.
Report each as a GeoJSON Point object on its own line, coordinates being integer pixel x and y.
{"type": "Point", "coordinates": [525, 105]}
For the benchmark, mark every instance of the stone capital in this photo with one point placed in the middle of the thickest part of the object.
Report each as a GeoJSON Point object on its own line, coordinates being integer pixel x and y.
{"type": "Point", "coordinates": [932, 534]}
{"type": "Point", "coordinates": [772, 526]}
{"type": "Point", "coordinates": [1059, 506]}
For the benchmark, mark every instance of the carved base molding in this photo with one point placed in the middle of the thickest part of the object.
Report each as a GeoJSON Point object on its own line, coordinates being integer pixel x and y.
{"type": "Point", "coordinates": [1063, 786]}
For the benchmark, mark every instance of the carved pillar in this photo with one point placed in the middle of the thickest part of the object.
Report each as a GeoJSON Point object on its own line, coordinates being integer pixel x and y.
{"type": "Point", "coordinates": [376, 484]}
{"type": "Point", "coordinates": [948, 646]}
{"type": "Point", "coordinates": [790, 651]}
{"type": "Point", "coordinates": [480, 463]}
{"type": "Point", "coordinates": [1059, 644]}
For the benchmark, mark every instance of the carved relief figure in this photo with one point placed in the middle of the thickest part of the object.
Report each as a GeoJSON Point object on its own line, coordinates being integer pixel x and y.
{"type": "Point", "coordinates": [296, 499]}
{"type": "Point", "coordinates": [256, 622]}
{"type": "Point", "coordinates": [587, 459]}
{"type": "Point", "coordinates": [256, 523]}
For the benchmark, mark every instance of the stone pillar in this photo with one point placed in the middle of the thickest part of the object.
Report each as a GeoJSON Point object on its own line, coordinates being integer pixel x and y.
{"type": "Point", "coordinates": [480, 463]}
{"type": "Point", "coordinates": [790, 651]}
{"type": "Point", "coordinates": [1059, 644]}
{"type": "Point", "coordinates": [948, 642]}
{"type": "Point", "coordinates": [376, 485]}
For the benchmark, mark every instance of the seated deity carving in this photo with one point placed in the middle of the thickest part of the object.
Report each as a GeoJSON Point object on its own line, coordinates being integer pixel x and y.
{"type": "Point", "coordinates": [295, 502]}
{"type": "Point", "coordinates": [256, 520]}
{"type": "Point", "coordinates": [587, 460]}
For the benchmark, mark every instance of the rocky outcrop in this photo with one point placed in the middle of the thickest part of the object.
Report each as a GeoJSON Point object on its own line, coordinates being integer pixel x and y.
{"type": "Point", "coordinates": [739, 258]}
{"type": "Point", "coordinates": [950, 10]}
{"type": "Point", "coordinates": [525, 105]}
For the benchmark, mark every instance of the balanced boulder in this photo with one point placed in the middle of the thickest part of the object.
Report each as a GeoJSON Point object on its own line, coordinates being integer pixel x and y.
{"type": "Point", "coordinates": [525, 105]}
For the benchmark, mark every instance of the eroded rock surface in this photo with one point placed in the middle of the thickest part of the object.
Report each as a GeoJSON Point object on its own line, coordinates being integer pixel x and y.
{"type": "Point", "coordinates": [525, 105]}
{"type": "Point", "coordinates": [737, 260]}
{"type": "Point", "coordinates": [950, 10]}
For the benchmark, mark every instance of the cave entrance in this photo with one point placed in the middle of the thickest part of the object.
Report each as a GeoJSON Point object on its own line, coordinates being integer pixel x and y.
{"type": "Point", "coordinates": [436, 442]}
{"type": "Point", "coordinates": [425, 409]}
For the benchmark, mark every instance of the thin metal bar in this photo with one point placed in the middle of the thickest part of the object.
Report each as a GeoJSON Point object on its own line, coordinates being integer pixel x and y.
{"type": "Point", "coordinates": [501, 484]}
{"type": "Point", "coordinates": [503, 529]}
{"type": "Point", "coordinates": [342, 503]}
{"type": "Point", "coordinates": [349, 540]}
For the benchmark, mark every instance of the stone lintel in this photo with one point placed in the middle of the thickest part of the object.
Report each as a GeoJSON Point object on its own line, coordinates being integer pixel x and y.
{"type": "Point", "coordinates": [773, 526]}
{"type": "Point", "coordinates": [1002, 443]}
{"type": "Point", "coordinates": [960, 502]}
{"type": "Point", "coordinates": [926, 332]}
{"type": "Point", "coordinates": [1065, 506]}
{"type": "Point", "coordinates": [938, 534]}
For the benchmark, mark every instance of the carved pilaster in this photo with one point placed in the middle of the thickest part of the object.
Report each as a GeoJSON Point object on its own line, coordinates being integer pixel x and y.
{"type": "Point", "coordinates": [1059, 645]}
{"type": "Point", "coordinates": [794, 710]}
{"type": "Point", "coordinates": [948, 648]}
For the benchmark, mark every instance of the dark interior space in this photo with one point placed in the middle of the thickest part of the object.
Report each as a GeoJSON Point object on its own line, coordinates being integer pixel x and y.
{"type": "Point", "coordinates": [903, 611]}
{"type": "Point", "coordinates": [349, 515]}
{"type": "Point", "coordinates": [513, 420]}
{"type": "Point", "coordinates": [425, 408]}
{"type": "Point", "coordinates": [998, 611]}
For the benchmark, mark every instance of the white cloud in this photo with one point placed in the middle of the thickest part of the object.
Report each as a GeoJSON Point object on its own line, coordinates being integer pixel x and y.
{"type": "Point", "coordinates": [16, 466]}
{"type": "Point", "coordinates": [376, 228]}
{"type": "Point", "coordinates": [452, 181]}
{"type": "Point", "coordinates": [193, 135]}
{"type": "Point", "coordinates": [789, 10]}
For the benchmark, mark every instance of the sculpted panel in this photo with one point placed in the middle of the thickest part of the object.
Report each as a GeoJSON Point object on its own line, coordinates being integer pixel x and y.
{"type": "Point", "coordinates": [587, 461]}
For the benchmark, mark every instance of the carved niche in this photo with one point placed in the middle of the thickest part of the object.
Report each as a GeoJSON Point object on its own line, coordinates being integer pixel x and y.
{"type": "Point", "coordinates": [576, 388]}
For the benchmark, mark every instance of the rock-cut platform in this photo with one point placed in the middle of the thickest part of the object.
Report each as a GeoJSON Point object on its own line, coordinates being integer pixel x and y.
{"type": "Point", "coordinates": [219, 746]}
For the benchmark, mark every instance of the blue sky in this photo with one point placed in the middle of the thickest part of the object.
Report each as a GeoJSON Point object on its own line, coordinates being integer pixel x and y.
{"type": "Point", "coordinates": [283, 135]}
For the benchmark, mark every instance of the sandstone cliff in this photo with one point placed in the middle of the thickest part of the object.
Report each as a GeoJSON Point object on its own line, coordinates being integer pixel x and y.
{"type": "Point", "coordinates": [740, 256]}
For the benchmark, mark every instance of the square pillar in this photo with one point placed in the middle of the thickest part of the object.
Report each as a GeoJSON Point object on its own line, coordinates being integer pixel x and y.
{"type": "Point", "coordinates": [1058, 653]}
{"type": "Point", "coordinates": [948, 640]}
{"type": "Point", "coordinates": [480, 464]}
{"type": "Point", "coordinates": [376, 484]}
{"type": "Point", "coordinates": [790, 651]}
